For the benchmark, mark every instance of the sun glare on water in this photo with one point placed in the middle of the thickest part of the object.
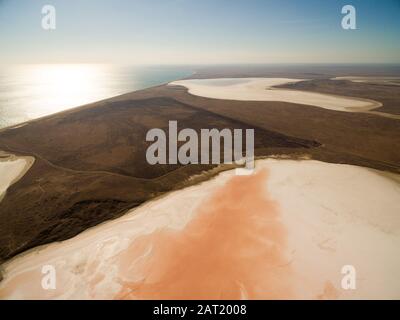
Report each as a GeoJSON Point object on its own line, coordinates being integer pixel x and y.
{"type": "Point", "coordinates": [60, 86]}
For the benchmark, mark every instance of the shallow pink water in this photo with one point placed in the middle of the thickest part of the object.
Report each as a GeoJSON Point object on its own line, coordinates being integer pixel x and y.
{"type": "Point", "coordinates": [233, 248]}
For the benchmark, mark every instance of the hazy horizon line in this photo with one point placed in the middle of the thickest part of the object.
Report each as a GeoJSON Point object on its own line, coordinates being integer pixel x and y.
{"type": "Point", "coordinates": [204, 63]}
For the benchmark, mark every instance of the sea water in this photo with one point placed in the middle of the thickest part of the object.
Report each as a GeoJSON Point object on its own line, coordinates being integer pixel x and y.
{"type": "Point", "coordinates": [32, 91]}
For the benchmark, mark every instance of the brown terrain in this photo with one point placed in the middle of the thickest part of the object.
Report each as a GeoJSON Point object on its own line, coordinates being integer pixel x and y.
{"type": "Point", "coordinates": [90, 163]}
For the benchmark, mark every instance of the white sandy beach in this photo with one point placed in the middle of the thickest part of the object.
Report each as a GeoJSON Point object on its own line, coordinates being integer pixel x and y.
{"type": "Point", "coordinates": [12, 168]}
{"type": "Point", "coordinates": [262, 89]}
{"type": "Point", "coordinates": [284, 232]}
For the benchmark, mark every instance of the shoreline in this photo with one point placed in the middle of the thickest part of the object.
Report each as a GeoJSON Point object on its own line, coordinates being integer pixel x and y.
{"type": "Point", "coordinates": [371, 79]}
{"type": "Point", "coordinates": [190, 77]}
{"type": "Point", "coordinates": [194, 180]}
{"type": "Point", "coordinates": [267, 89]}
{"type": "Point", "coordinates": [77, 154]}
{"type": "Point", "coordinates": [152, 207]}
{"type": "Point", "coordinates": [17, 173]}
{"type": "Point", "coordinates": [87, 105]}
{"type": "Point", "coordinates": [197, 180]}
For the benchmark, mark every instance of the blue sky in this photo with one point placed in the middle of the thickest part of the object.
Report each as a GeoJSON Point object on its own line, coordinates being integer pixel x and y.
{"type": "Point", "coordinates": [200, 31]}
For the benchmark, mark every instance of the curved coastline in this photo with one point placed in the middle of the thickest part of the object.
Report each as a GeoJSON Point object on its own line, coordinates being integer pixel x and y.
{"type": "Point", "coordinates": [342, 226]}
{"type": "Point", "coordinates": [12, 169]}
{"type": "Point", "coordinates": [264, 89]}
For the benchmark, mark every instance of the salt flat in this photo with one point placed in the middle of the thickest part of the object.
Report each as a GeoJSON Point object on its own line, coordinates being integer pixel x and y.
{"type": "Point", "coordinates": [12, 168]}
{"type": "Point", "coordinates": [262, 89]}
{"type": "Point", "coordinates": [284, 232]}
{"type": "Point", "coordinates": [395, 81]}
